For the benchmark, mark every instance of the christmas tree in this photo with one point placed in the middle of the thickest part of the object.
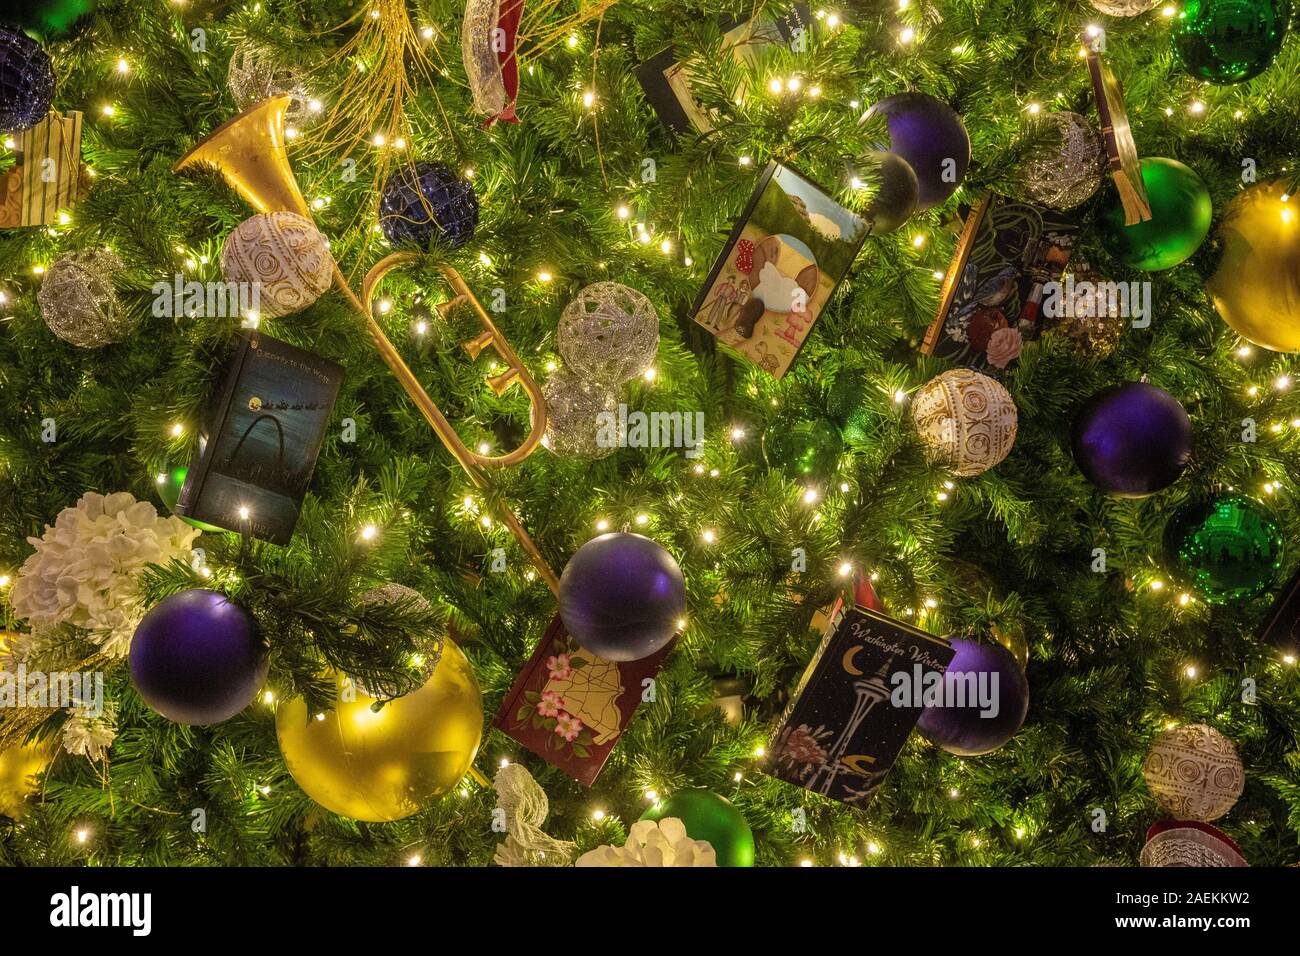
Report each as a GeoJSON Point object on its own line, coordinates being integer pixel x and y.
{"type": "Point", "coordinates": [643, 333]}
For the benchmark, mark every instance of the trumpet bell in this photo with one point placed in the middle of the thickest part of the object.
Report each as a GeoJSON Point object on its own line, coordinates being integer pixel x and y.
{"type": "Point", "coordinates": [249, 152]}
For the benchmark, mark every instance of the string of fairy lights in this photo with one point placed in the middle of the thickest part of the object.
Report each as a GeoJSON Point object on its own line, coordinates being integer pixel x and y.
{"type": "Point", "coordinates": [911, 36]}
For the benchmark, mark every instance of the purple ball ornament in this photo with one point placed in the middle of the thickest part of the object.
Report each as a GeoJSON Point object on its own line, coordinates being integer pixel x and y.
{"type": "Point", "coordinates": [930, 136]}
{"type": "Point", "coordinates": [424, 201]}
{"type": "Point", "coordinates": [26, 81]}
{"type": "Point", "coordinates": [989, 684]}
{"type": "Point", "coordinates": [197, 658]}
{"type": "Point", "coordinates": [622, 596]}
{"type": "Point", "coordinates": [1132, 440]}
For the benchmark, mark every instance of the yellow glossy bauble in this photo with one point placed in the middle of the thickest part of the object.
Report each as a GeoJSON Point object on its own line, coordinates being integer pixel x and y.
{"type": "Point", "coordinates": [1256, 287]}
{"type": "Point", "coordinates": [21, 763]}
{"type": "Point", "coordinates": [19, 767]}
{"type": "Point", "coordinates": [386, 765]}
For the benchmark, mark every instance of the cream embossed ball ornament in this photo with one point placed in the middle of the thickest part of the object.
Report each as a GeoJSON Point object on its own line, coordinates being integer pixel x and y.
{"type": "Point", "coordinates": [281, 255]}
{"type": "Point", "coordinates": [967, 421]}
{"type": "Point", "coordinates": [1194, 772]}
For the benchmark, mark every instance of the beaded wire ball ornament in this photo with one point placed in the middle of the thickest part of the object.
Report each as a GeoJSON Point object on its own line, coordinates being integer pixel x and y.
{"type": "Point", "coordinates": [26, 81]}
{"type": "Point", "coordinates": [255, 73]}
{"type": "Point", "coordinates": [609, 333]}
{"type": "Point", "coordinates": [427, 200]}
{"type": "Point", "coordinates": [1065, 173]}
{"type": "Point", "coordinates": [573, 405]}
{"type": "Point", "coordinates": [285, 256]}
{"type": "Point", "coordinates": [78, 301]}
{"type": "Point", "coordinates": [425, 664]}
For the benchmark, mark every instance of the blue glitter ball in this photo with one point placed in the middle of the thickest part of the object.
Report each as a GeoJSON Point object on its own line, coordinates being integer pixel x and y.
{"type": "Point", "coordinates": [26, 81]}
{"type": "Point", "coordinates": [428, 201]}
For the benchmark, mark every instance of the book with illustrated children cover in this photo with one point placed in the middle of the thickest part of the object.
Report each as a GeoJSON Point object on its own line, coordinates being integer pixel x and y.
{"type": "Point", "coordinates": [786, 256]}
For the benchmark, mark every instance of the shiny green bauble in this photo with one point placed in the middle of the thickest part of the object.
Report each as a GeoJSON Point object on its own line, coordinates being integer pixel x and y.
{"type": "Point", "coordinates": [1228, 549]}
{"type": "Point", "coordinates": [1180, 218]}
{"type": "Point", "coordinates": [170, 483]}
{"type": "Point", "coordinates": [50, 19]}
{"type": "Point", "coordinates": [1227, 41]}
{"type": "Point", "coordinates": [805, 447]}
{"type": "Point", "coordinates": [709, 817]}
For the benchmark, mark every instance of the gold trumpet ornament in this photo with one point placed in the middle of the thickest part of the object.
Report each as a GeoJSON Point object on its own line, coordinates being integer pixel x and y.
{"type": "Point", "coordinates": [249, 152]}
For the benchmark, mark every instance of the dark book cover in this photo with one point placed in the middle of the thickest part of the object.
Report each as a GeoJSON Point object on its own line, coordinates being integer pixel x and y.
{"type": "Point", "coordinates": [264, 432]}
{"type": "Point", "coordinates": [1121, 150]}
{"type": "Point", "coordinates": [784, 259]}
{"type": "Point", "coordinates": [842, 730]}
{"type": "Point", "coordinates": [991, 301]}
{"type": "Point", "coordinates": [569, 706]}
{"type": "Point", "coordinates": [1281, 629]}
{"type": "Point", "coordinates": [667, 83]}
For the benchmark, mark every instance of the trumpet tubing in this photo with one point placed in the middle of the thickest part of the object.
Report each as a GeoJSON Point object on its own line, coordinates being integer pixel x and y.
{"type": "Point", "coordinates": [249, 152]}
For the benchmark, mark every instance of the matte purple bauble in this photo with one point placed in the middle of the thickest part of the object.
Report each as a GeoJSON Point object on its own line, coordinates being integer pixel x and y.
{"type": "Point", "coordinates": [929, 134]}
{"type": "Point", "coordinates": [996, 684]}
{"type": "Point", "coordinates": [622, 596]}
{"type": "Point", "coordinates": [1132, 440]}
{"type": "Point", "coordinates": [197, 658]}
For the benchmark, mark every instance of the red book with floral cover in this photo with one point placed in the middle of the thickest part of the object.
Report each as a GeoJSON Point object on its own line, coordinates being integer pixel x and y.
{"type": "Point", "coordinates": [569, 706]}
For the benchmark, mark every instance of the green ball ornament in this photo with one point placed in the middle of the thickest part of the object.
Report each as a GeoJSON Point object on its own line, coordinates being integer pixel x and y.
{"type": "Point", "coordinates": [1227, 41]}
{"type": "Point", "coordinates": [50, 19]}
{"type": "Point", "coordinates": [710, 817]}
{"type": "Point", "coordinates": [170, 483]}
{"type": "Point", "coordinates": [805, 447]}
{"type": "Point", "coordinates": [1228, 549]}
{"type": "Point", "coordinates": [1180, 218]}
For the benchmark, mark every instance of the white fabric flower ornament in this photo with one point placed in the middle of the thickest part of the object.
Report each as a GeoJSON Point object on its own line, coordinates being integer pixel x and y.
{"type": "Point", "coordinates": [654, 843]}
{"type": "Point", "coordinates": [86, 567]}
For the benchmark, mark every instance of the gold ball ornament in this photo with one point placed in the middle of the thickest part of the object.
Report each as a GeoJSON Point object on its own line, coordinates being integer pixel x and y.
{"type": "Point", "coordinates": [1091, 313]}
{"type": "Point", "coordinates": [384, 765]}
{"type": "Point", "coordinates": [1256, 287]}
{"type": "Point", "coordinates": [1194, 772]}
{"type": "Point", "coordinates": [966, 420]}
{"type": "Point", "coordinates": [21, 764]}
{"type": "Point", "coordinates": [284, 256]}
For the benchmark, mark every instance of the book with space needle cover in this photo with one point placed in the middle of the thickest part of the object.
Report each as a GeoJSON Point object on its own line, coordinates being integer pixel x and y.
{"type": "Point", "coordinates": [855, 704]}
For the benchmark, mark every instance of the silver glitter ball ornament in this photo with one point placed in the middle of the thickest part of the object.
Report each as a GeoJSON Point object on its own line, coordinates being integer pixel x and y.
{"type": "Point", "coordinates": [78, 301]}
{"type": "Point", "coordinates": [256, 73]}
{"type": "Point", "coordinates": [424, 664]}
{"type": "Point", "coordinates": [1065, 173]}
{"type": "Point", "coordinates": [609, 333]}
{"type": "Point", "coordinates": [573, 407]}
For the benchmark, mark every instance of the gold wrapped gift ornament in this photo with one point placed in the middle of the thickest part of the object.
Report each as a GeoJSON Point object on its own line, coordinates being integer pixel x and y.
{"type": "Point", "coordinates": [384, 765]}
{"type": "Point", "coordinates": [1256, 287]}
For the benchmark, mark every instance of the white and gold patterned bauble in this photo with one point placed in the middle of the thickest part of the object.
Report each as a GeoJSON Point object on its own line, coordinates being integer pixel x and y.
{"type": "Point", "coordinates": [1125, 8]}
{"type": "Point", "coordinates": [609, 333]}
{"type": "Point", "coordinates": [422, 663]}
{"type": "Point", "coordinates": [284, 256]}
{"type": "Point", "coordinates": [78, 301]}
{"type": "Point", "coordinates": [1067, 169]}
{"type": "Point", "coordinates": [256, 73]}
{"type": "Point", "coordinates": [1190, 846]}
{"type": "Point", "coordinates": [966, 420]}
{"type": "Point", "coordinates": [1194, 772]}
{"type": "Point", "coordinates": [573, 409]}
